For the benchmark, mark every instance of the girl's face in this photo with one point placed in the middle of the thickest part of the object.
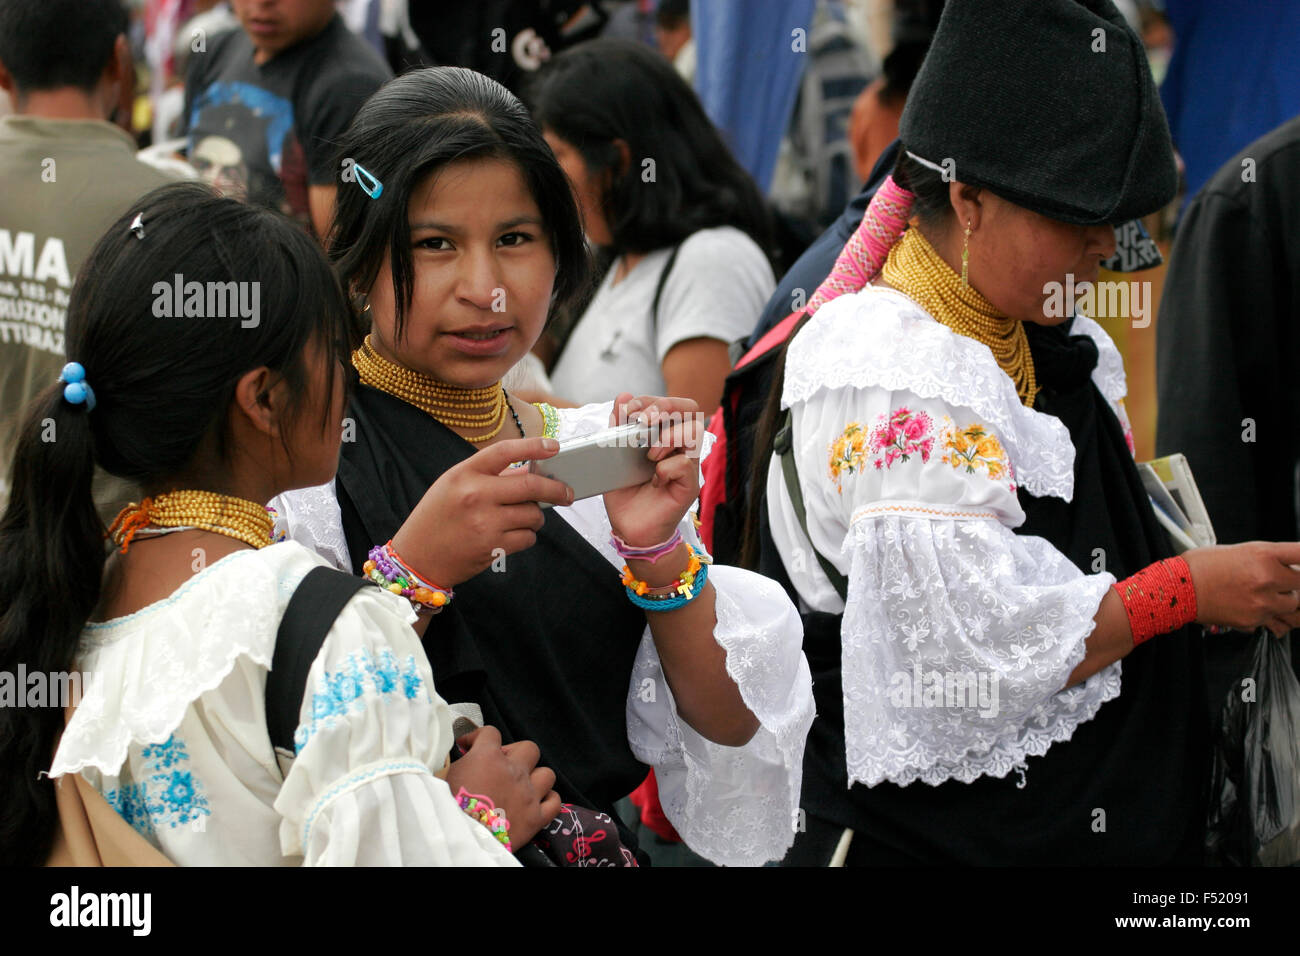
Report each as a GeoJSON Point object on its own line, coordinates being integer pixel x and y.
{"type": "Point", "coordinates": [588, 188]}
{"type": "Point", "coordinates": [483, 273]}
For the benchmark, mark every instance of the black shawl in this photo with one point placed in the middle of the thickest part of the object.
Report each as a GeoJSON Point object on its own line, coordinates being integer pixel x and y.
{"type": "Point", "coordinates": [545, 646]}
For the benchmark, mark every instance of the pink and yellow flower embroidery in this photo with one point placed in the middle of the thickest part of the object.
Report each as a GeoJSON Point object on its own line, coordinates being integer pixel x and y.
{"type": "Point", "coordinates": [975, 449]}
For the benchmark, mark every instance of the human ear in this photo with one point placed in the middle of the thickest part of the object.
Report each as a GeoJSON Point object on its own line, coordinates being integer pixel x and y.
{"type": "Point", "coordinates": [260, 398]}
{"type": "Point", "coordinates": [118, 80]}
{"type": "Point", "coordinates": [966, 204]}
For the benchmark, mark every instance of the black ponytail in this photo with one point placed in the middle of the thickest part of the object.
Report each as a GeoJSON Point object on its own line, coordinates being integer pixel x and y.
{"type": "Point", "coordinates": [163, 383]}
{"type": "Point", "coordinates": [51, 562]}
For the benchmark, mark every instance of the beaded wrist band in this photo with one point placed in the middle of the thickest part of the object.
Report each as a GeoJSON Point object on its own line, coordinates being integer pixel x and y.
{"type": "Point", "coordinates": [485, 812]}
{"type": "Point", "coordinates": [1158, 599]}
{"type": "Point", "coordinates": [651, 554]}
{"type": "Point", "coordinates": [688, 586]}
{"type": "Point", "coordinates": [388, 570]}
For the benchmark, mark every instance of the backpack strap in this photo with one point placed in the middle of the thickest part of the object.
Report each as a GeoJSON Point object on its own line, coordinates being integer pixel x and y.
{"type": "Point", "coordinates": [783, 445]}
{"type": "Point", "coordinates": [312, 610]}
{"type": "Point", "coordinates": [659, 287]}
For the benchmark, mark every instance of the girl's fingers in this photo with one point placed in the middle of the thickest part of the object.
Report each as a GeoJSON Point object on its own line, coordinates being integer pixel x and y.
{"type": "Point", "coordinates": [551, 807]}
{"type": "Point", "coordinates": [524, 752]}
{"type": "Point", "coordinates": [542, 779]}
{"type": "Point", "coordinates": [521, 517]}
{"type": "Point", "coordinates": [512, 542]}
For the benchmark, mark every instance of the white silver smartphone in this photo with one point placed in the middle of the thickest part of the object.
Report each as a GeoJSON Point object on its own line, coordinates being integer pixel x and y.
{"type": "Point", "coordinates": [603, 461]}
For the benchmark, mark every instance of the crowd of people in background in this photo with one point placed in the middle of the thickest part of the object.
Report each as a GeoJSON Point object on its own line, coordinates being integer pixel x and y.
{"type": "Point", "coordinates": [289, 289]}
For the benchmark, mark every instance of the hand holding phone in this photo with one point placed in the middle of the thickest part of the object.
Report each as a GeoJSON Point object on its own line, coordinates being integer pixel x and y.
{"type": "Point", "coordinates": [603, 461]}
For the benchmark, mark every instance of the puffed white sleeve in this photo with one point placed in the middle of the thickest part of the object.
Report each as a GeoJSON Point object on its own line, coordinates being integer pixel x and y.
{"type": "Point", "coordinates": [372, 731]}
{"type": "Point", "coordinates": [958, 635]}
{"type": "Point", "coordinates": [735, 806]}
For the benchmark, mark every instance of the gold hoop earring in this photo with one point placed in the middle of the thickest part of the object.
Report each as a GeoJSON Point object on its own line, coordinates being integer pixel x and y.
{"type": "Point", "coordinates": [965, 257]}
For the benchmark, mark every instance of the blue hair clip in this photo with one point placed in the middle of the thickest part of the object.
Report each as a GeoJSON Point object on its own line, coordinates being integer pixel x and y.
{"type": "Point", "coordinates": [375, 187]}
{"type": "Point", "coordinates": [77, 390]}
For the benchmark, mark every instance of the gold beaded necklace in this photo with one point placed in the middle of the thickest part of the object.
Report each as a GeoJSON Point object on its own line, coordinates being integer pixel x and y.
{"type": "Point", "coordinates": [233, 517]}
{"type": "Point", "coordinates": [469, 408]}
{"type": "Point", "coordinates": [917, 270]}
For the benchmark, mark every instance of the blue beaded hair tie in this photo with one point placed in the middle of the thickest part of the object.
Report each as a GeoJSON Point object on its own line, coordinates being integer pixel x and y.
{"type": "Point", "coordinates": [77, 390]}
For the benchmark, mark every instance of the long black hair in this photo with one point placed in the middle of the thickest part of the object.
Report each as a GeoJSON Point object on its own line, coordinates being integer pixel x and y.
{"type": "Point", "coordinates": [163, 387]}
{"type": "Point", "coordinates": [409, 130]}
{"type": "Point", "coordinates": [932, 206]}
{"type": "Point", "coordinates": [609, 89]}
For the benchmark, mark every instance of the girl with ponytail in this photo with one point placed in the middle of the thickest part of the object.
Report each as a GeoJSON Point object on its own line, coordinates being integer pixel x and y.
{"type": "Point", "coordinates": [209, 339]}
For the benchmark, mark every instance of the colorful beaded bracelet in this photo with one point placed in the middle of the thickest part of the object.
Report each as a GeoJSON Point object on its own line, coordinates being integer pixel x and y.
{"type": "Point", "coordinates": [388, 570]}
{"type": "Point", "coordinates": [1158, 599]}
{"type": "Point", "coordinates": [688, 586]}
{"type": "Point", "coordinates": [485, 812]}
{"type": "Point", "coordinates": [651, 554]}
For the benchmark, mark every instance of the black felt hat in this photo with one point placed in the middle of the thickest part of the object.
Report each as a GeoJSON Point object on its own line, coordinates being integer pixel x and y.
{"type": "Point", "coordinates": [1048, 103]}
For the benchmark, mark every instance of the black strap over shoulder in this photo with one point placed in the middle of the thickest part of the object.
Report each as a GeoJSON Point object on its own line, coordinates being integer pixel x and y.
{"type": "Point", "coordinates": [316, 603]}
{"type": "Point", "coordinates": [783, 445]}
{"type": "Point", "coordinates": [659, 287]}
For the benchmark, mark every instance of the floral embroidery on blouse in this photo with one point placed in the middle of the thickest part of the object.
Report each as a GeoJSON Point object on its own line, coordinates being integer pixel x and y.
{"type": "Point", "coordinates": [341, 692]}
{"type": "Point", "coordinates": [848, 453]}
{"type": "Point", "coordinates": [895, 437]}
{"type": "Point", "coordinates": [171, 794]}
{"type": "Point", "coordinates": [900, 435]}
{"type": "Point", "coordinates": [975, 449]}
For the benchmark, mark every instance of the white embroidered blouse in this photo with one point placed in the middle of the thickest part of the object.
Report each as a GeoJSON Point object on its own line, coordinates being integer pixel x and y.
{"type": "Point", "coordinates": [958, 635]}
{"type": "Point", "coordinates": [732, 805]}
{"type": "Point", "coordinates": [171, 729]}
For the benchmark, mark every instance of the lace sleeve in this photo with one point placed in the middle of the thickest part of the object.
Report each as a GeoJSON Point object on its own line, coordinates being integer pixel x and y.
{"type": "Point", "coordinates": [733, 805]}
{"type": "Point", "coordinates": [311, 516]}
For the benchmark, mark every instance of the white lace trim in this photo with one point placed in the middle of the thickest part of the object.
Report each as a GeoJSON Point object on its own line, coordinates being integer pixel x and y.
{"type": "Point", "coordinates": [151, 665]}
{"type": "Point", "coordinates": [879, 338]}
{"type": "Point", "coordinates": [314, 519]}
{"type": "Point", "coordinates": [966, 601]}
{"type": "Point", "coordinates": [1109, 374]}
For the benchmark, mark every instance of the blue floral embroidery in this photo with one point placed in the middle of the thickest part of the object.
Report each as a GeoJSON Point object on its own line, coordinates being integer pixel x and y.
{"type": "Point", "coordinates": [180, 800]}
{"type": "Point", "coordinates": [171, 795]}
{"type": "Point", "coordinates": [362, 675]}
{"type": "Point", "coordinates": [167, 754]}
{"type": "Point", "coordinates": [132, 805]}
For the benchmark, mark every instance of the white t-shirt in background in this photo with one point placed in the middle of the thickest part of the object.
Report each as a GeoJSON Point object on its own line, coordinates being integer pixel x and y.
{"type": "Point", "coordinates": [716, 289]}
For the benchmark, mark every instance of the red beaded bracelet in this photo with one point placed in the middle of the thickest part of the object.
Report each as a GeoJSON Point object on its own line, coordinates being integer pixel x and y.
{"type": "Point", "coordinates": [1158, 599]}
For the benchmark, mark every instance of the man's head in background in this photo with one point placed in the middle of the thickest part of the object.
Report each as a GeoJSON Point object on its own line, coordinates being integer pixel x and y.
{"type": "Point", "coordinates": [672, 26]}
{"type": "Point", "coordinates": [66, 59]}
{"type": "Point", "coordinates": [276, 25]}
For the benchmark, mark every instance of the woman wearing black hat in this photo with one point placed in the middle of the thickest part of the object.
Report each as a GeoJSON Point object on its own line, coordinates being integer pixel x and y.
{"type": "Point", "coordinates": [958, 497]}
